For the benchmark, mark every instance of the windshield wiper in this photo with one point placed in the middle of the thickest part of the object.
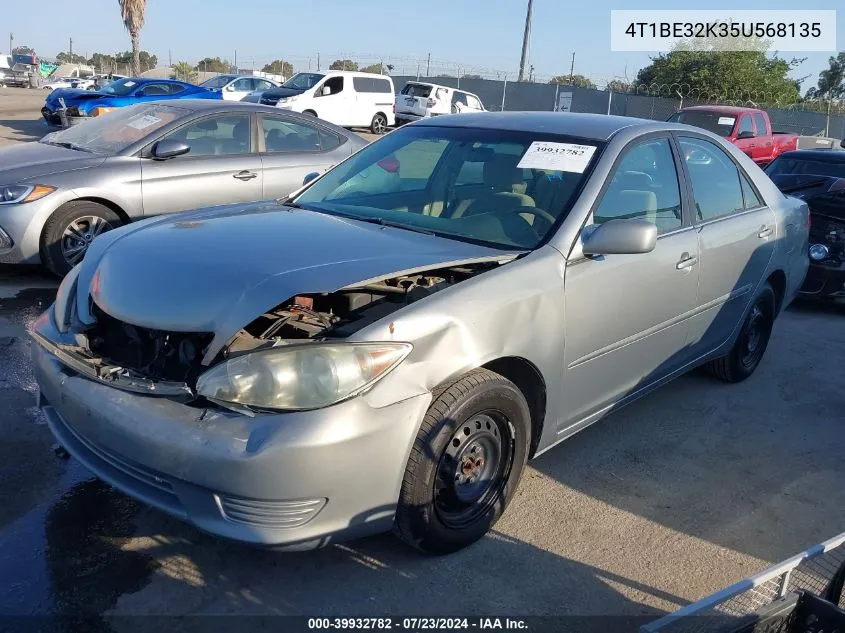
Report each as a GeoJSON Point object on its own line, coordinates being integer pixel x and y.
{"type": "Point", "coordinates": [398, 225]}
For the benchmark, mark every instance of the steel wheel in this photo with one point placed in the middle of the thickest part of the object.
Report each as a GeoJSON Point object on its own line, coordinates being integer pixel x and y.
{"type": "Point", "coordinates": [473, 468]}
{"type": "Point", "coordinates": [755, 335]}
{"type": "Point", "coordinates": [79, 234]}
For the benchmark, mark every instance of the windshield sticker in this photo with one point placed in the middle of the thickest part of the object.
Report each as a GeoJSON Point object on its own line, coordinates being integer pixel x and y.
{"type": "Point", "coordinates": [726, 120]}
{"type": "Point", "coordinates": [558, 156]}
{"type": "Point", "coordinates": [128, 84]}
{"type": "Point", "coordinates": [144, 122]}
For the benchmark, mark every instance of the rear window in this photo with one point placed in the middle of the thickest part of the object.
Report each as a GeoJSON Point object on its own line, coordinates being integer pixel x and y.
{"type": "Point", "coordinates": [416, 90]}
{"type": "Point", "coordinates": [716, 122]}
{"type": "Point", "coordinates": [371, 84]}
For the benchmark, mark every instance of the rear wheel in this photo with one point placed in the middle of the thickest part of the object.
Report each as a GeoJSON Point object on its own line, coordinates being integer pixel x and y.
{"type": "Point", "coordinates": [70, 230]}
{"type": "Point", "coordinates": [309, 112]}
{"type": "Point", "coordinates": [465, 464]}
{"type": "Point", "coordinates": [379, 124]}
{"type": "Point", "coordinates": [751, 344]}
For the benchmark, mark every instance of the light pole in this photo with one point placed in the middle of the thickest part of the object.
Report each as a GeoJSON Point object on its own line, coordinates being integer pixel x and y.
{"type": "Point", "coordinates": [526, 35]}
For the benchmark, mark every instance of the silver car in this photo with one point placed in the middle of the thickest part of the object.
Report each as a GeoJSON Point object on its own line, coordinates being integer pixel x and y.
{"type": "Point", "coordinates": [59, 193]}
{"type": "Point", "coordinates": [387, 347]}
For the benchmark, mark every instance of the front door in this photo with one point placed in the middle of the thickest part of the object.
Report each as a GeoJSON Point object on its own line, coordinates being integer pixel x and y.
{"type": "Point", "coordinates": [736, 232]}
{"type": "Point", "coordinates": [626, 315]}
{"type": "Point", "coordinates": [334, 101]}
{"type": "Point", "coordinates": [238, 89]}
{"type": "Point", "coordinates": [221, 168]}
{"type": "Point", "coordinates": [292, 150]}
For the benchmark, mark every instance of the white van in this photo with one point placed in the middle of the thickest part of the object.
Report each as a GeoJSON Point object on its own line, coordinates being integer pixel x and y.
{"type": "Point", "coordinates": [342, 97]}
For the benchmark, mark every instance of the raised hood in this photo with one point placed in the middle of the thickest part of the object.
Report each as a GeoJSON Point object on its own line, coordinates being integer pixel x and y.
{"type": "Point", "coordinates": [217, 270]}
{"type": "Point", "coordinates": [30, 161]}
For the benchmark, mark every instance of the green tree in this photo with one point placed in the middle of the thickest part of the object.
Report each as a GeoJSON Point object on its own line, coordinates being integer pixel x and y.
{"type": "Point", "coordinates": [831, 81]}
{"type": "Point", "coordinates": [617, 85]}
{"type": "Point", "coordinates": [343, 64]}
{"type": "Point", "coordinates": [185, 71]}
{"type": "Point", "coordinates": [279, 67]}
{"type": "Point", "coordinates": [67, 58]}
{"type": "Point", "coordinates": [23, 50]}
{"type": "Point", "coordinates": [706, 69]}
{"type": "Point", "coordinates": [132, 14]}
{"type": "Point", "coordinates": [102, 61]}
{"type": "Point", "coordinates": [379, 68]}
{"type": "Point", "coordinates": [146, 60]}
{"type": "Point", "coordinates": [579, 81]}
{"type": "Point", "coordinates": [213, 65]}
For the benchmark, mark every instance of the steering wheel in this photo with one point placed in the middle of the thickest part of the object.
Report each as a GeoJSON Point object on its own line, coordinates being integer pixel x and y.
{"type": "Point", "coordinates": [510, 214]}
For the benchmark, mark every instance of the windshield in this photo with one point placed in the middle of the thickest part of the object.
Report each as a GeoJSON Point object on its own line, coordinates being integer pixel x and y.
{"type": "Point", "coordinates": [499, 188]}
{"type": "Point", "coordinates": [114, 131]}
{"type": "Point", "coordinates": [121, 87]}
{"type": "Point", "coordinates": [217, 82]}
{"type": "Point", "coordinates": [789, 166]}
{"type": "Point", "coordinates": [303, 81]}
{"type": "Point", "coordinates": [716, 122]}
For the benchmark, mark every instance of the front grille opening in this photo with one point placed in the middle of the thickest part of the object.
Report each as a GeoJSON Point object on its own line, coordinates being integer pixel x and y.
{"type": "Point", "coordinates": [155, 354]}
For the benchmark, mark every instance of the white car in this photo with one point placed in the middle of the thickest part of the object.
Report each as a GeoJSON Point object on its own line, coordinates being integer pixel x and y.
{"type": "Point", "coordinates": [345, 98]}
{"type": "Point", "coordinates": [419, 100]}
{"type": "Point", "coordinates": [78, 83]}
{"type": "Point", "coordinates": [236, 87]}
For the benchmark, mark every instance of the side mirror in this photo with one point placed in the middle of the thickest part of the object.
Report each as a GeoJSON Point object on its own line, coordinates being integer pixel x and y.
{"type": "Point", "coordinates": [745, 134]}
{"type": "Point", "coordinates": [230, 88]}
{"type": "Point", "coordinates": [620, 237]}
{"type": "Point", "coordinates": [309, 177]}
{"type": "Point", "coordinates": [325, 91]}
{"type": "Point", "coordinates": [170, 149]}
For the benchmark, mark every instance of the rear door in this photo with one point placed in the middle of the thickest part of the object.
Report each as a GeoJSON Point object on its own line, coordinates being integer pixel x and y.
{"type": "Point", "coordinates": [222, 167]}
{"type": "Point", "coordinates": [736, 240]}
{"type": "Point", "coordinates": [292, 149]}
{"type": "Point", "coordinates": [413, 99]}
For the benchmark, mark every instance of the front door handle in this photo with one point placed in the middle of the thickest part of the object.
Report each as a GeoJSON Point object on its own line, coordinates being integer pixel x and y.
{"type": "Point", "coordinates": [687, 261]}
{"type": "Point", "coordinates": [245, 175]}
{"type": "Point", "coordinates": [765, 231]}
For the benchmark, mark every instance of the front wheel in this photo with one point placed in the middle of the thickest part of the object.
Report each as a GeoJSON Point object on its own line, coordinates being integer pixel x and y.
{"type": "Point", "coordinates": [378, 124]}
{"type": "Point", "coordinates": [751, 344]}
{"type": "Point", "coordinates": [465, 464]}
{"type": "Point", "coordinates": [69, 232]}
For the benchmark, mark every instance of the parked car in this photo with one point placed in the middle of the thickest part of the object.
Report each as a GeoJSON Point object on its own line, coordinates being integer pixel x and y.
{"type": "Point", "coordinates": [419, 100]}
{"type": "Point", "coordinates": [818, 178]}
{"type": "Point", "coordinates": [350, 99]}
{"type": "Point", "coordinates": [347, 361]}
{"type": "Point", "coordinates": [80, 83]}
{"type": "Point", "coordinates": [747, 128]}
{"type": "Point", "coordinates": [236, 87]}
{"type": "Point", "coordinates": [120, 93]}
{"type": "Point", "coordinates": [59, 193]}
{"type": "Point", "coordinates": [104, 79]}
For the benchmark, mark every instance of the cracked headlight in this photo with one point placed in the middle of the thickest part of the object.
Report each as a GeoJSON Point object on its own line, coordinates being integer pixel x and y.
{"type": "Point", "coordinates": [300, 377]}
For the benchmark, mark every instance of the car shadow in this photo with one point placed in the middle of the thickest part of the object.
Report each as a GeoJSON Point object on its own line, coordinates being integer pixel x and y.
{"type": "Point", "coordinates": [24, 130]}
{"type": "Point", "coordinates": [95, 574]}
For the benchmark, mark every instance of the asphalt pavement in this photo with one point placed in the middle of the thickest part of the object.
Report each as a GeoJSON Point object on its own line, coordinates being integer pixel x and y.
{"type": "Point", "coordinates": [676, 496]}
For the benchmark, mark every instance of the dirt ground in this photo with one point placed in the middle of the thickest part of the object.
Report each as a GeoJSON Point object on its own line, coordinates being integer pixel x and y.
{"type": "Point", "coordinates": [680, 494]}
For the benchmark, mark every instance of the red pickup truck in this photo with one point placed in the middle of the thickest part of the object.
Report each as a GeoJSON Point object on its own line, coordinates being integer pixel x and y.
{"type": "Point", "coordinates": [747, 128]}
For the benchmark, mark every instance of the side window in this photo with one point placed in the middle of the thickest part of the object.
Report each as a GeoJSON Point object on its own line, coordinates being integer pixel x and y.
{"type": "Point", "coordinates": [175, 88]}
{"type": "Point", "coordinates": [216, 136]}
{"type": "Point", "coordinates": [281, 135]}
{"type": "Point", "coordinates": [153, 90]}
{"type": "Point", "coordinates": [745, 124]}
{"type": "Point", "coordinates": [362, 84]}
{"type": "Point", "coordinates": [459, 97]}
{"type": "Point", "coordinates": [244, 83]}
{"type": "Point", "coordinates": [749, 195]}
{"type": "Point", "coordinates": [715, 179]}
{"type": "Point", "coordinates": [328, 140]}
{"type": "Point", "coordinates": [335, 85]}
{"type": "Point", "coordinates": [261, 84]}
{"type": "Point", "coordinates": [382, 85]}
{"type": "Point", "coordinates": [644, 185]}
{"type": "Point", "coordinates": [473, 102]}
{"type": "Point", "coordinates": [760, 123]}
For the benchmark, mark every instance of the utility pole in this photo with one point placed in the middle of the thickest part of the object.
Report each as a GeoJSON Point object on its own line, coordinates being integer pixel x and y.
{"type": "Point", "coordinates": [531, 73]}
{"type": "Point", "coordinates": [572, 68]}
{"type": "Point", "coordinates": [318, 61]}
{"type": "Point", "coordinates": [236, 60]}
{"type": "Point", "coordinates": [525, 37]}
{"type": "Point", "coordinates": [11, 40]}
{"type": "Point", "coordinates": [428, 66]}
{"type": "Point", "coordinates": [169, 58]}
{"type": "Point", "coordinates": [71, 50]}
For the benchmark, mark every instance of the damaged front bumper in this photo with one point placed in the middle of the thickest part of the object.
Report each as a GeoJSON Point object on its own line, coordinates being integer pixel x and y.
{"type": "Point", "coordinates": [294, 480]}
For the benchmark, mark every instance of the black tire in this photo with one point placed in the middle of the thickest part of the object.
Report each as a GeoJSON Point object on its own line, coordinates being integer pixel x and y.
{"type": "Point", "coordinates": [310, 113]}
{"type": "Point", "coordinates": [751, 344]}
{"type": "Point", "coordinates": [379, 124]}
{"type": "Point", "coordinates": [440, 518]}
{"type": "Point", "coordinates": [53, 235]}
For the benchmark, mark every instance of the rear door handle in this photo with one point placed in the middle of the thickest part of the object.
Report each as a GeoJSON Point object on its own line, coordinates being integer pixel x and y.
{"type": "Point", "coordinates": [245, 175]}
{"type": "Point", "coordinates": [686, 262]}
{"type": "Point", "coordinates": [765, 231]}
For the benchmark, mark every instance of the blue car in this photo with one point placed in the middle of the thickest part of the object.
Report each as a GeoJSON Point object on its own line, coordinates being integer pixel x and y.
{"type": "Point", "coordinates": [123, 92]}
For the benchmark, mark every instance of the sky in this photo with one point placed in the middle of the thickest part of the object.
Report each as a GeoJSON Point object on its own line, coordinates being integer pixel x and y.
{"type": "Point", "coordinates": [465, 36]}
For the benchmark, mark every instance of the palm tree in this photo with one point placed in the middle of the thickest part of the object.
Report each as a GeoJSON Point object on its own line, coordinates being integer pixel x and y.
{"type": "Point", "coordinates": [185, 71]}
{"type": "Point", "coordinates": [132, 12]}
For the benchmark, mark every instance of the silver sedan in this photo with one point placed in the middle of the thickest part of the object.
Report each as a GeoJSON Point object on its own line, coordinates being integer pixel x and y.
{"type": "Point", "coordinates": [58, 194]}
{"type": "Point", "coordinates": [390, 345]}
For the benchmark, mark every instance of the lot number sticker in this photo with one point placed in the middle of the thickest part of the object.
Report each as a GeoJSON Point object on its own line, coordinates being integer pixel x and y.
{"type": "Point", "coordinates": [557, 156]}
{"type": "Point", "coordinates": [144, 122]}
{"type": "Point", "coordinates": [726, 120]}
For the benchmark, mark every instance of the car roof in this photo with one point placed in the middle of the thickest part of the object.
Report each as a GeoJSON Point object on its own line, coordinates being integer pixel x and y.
{"type": "Point", "coordinates": [599, 127]}
{"type": "Point", "coordinates": [830, 155]}
{"type": "Point", "coordinates": [348, 72]}
{"type": "Point", "coordinates": [722, 108]}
